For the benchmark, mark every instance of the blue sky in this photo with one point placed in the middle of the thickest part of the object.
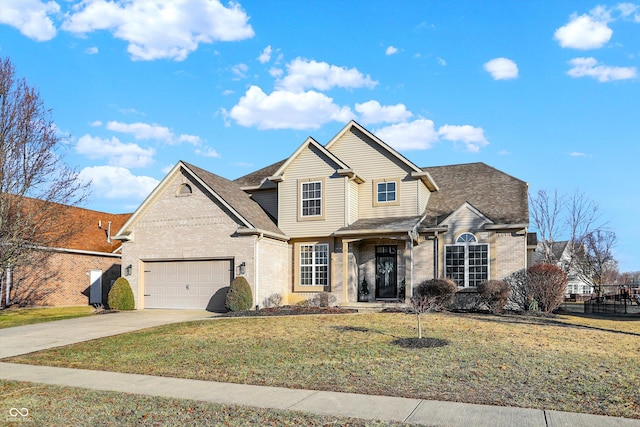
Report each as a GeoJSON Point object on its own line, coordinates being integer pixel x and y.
{"type": "Point", "coordinates": [546, 91]}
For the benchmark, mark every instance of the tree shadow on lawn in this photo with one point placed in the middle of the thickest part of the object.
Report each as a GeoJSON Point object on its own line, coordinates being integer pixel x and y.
{"type": "Point", "coordinates": [402, 342]}
{"type": "Point", "coordinates": [533, 320]}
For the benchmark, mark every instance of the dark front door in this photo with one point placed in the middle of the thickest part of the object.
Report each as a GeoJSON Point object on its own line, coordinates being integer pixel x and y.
{"type": "Point", "coordinates": [386, 272]}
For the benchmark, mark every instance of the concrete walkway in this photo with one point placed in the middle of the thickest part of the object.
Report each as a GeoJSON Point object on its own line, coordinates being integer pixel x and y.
{"type": "Point", "coordinates": [26, 339]}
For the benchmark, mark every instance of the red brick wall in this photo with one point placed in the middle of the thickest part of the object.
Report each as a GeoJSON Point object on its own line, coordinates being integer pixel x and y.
{"type": "Point", "coordinates": [59, 279]}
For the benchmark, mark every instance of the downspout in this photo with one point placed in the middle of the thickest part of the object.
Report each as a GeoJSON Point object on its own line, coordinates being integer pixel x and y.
{"type": "Point", "coordinates": [256, 265]}
{"type": "Point", "coordinates": [410, 264]}
{"type": "Point", "coordinates": [435, 255]}
{"type": "Point", "coordinates": [8, 287]}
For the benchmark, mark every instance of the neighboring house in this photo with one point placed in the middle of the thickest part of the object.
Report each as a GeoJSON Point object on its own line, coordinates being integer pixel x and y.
{"type": "Point", "coordinates": [324, 220]}
{"type": "Point", "coordinates": [85, 259]}
{"type": "Point", "coordinates": [561, 253]}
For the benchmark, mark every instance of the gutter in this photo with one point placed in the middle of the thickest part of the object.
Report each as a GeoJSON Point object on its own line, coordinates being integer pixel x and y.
{"type": "Point", "coordinates": [78, 251]}
{"type": "Point", "coordinates": [263, 233]}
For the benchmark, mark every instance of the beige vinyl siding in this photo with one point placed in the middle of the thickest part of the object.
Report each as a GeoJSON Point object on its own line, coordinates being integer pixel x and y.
{"type": "Point", "coordinates": [354, 213]}
{"type": "Point", "coordinates": [371, 162]}
{"type": "Point", "coordinates": [311, 164]}
{"type": "Point", "coordinates": [465, 220]}
{"type": "Point", "coordinates": [268, 200]}
{"type": "Point", "coordinates": [423, 197]}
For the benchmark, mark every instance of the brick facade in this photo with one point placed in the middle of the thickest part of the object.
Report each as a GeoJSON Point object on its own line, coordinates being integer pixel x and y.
{"type": "Point", "coordinates": [62, 279]}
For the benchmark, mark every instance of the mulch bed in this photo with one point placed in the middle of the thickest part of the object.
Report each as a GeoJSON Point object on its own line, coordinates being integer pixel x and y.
{"type": "Point", "coordinates": [289, 310]}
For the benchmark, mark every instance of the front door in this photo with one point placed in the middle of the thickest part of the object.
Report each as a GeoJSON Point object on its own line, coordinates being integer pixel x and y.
{"type": "Point", "coordinates": [386, 272]}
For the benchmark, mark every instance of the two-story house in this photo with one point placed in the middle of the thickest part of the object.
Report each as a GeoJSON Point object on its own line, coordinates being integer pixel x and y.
{"type": "Point", "coordinates": [324, 220]}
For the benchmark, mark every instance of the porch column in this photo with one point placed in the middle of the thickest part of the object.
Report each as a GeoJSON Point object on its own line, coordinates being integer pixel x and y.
{"type": "Point", "coordinates": [345, 270]}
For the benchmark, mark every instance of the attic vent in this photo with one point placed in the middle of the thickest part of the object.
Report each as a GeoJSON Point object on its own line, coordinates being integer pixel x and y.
{"type": "Point", "coordinates": [184, 190]}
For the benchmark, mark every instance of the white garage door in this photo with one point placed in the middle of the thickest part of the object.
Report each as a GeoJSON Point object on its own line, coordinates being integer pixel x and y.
{"type": "Point", "coordinates": [187, 284]}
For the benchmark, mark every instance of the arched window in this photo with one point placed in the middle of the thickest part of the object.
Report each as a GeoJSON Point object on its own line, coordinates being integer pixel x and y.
{"type": "Point", "coordinates": [184, 190]}
{"type": "Point", "coordinates": [466, 238]}
{"type": "Point", "coordinates": [467, 261]}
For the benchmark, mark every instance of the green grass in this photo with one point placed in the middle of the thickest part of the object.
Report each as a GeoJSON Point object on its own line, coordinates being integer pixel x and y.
{"type": "Point", "coordinates": [568, 363]}
{"type": "Point", "coordinates": [68, 406]}
{"type": "Point", "coordinates": [26, 316]}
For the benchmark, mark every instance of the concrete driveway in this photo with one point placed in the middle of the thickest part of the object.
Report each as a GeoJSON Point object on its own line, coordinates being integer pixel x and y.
{"type": "Point", "coordinates": [30, 338]}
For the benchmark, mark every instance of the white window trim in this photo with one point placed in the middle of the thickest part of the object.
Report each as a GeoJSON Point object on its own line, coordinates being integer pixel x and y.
{"type": "Point", "coordinates": [466, 259]}
{"type": "Point", "coordinates": [313, 264]}
{"type": "Point", "coordinates": [301, 184]}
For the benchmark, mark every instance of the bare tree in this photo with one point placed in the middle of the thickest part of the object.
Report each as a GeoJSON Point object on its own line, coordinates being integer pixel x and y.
{"type": "Point", "coordinates": [546, 214]}
{"type": "Point", "coordinates": [577, 219]}
{"type": "Point", "coordinates": [594, 262]}
{"type": "Point", "coordinates": [35, 184]}
{"type": "Point", "coordinates": [431, 295]}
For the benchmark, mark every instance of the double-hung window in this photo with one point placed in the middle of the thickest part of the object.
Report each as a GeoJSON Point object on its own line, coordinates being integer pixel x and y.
{"type": "Point", "coordinates": [314, 264]}
{"type": "Point", "coordinates": [386, 192]}
{"type": "Point", "coordinates": [311, 199]}
{"type": "Point", "coordinates": [467, 261]}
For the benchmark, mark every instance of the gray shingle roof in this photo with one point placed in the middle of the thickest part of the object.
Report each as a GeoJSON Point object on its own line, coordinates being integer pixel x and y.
{"type": "Point", "coordinates": [254, 179]}
{"type": "Point", "coordinates": [393, 224]}
{"type": "Point", "coordinates": [499, 196]}
{"type": "Point", "coordinates": [240, 201]}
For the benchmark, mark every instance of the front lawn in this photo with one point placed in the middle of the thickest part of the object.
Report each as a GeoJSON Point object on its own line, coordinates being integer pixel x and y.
{"type": "Point", "coordinates": [68, 406]}
{"type": "Point", "coordinates": [566, 363]}
{"type": "Point", "coordinates": [10, 317]}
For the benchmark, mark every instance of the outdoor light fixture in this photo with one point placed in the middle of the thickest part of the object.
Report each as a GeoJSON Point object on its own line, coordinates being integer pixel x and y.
{"type": "Point", "coordinates": [242, 268]}
{"type": "Point", "coordinates": [127, 270]}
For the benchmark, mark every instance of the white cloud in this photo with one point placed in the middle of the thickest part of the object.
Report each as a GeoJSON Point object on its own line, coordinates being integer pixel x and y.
{"type": "Point", "coordinates": [276, 72]}
{"type": "Point", "coordinates": [141, 130]}
{"type": "Point", "coordinates": [585, 31]}
{"type": "Point", "coordinates": [95, 123]}
{"type": "Point", "coordinates": [287, 110]}
{"type": "Point", "coordinates": [472, 137]}
{"type": "Point", "coordinates": [502, 69]}
{"type": "Point", "coordinates": [208, 152]}
{"type": "Point", "coordinates": [589, 67]}
{"type": "Point", "coordinates": [373, 112]}
{"type": "Point", "coordinates": [111, 182]}
{"type": "Point", "coordinates": [577, 154]}
{"type": "Point", "coordinates": [240, 70]}
{"type": "Point", "coordinates": [416, 135]}
{"type": "Point", "coordinates": [190, 139]}
{"type": "Point", "coordinates": [30, 17]}
{"type": "Point", "coordinates": [92, 50]}
{"type": "Point", "coordinates": [391, 50]}
{"type": "Point", "coordinates": [303, 74]}
{"type": "Point", "coordinates": [117, 153]}
{"type": "Point", "coordinates": [158, 29]}
{"type": "Point", "coordinates": [441, 61]}
{"type": "Point", "coordinates": [265, 56]}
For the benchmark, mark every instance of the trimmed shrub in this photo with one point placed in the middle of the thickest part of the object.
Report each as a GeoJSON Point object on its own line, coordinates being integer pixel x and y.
{"type": "Point", "coordinates": [239, 296]}
{"type": "Point", "coordinates": [520, 293]}
{"type": "Point", "coordinates": [494, 294]}
{"type": "Point", "coordinates": [322, 299]}
{"type": "Point", "coordinates": [121, 296]}
{"type": "Point", "coordinates": [274, 300]}
{"type": "Point", "coordinates": [548, 284]}
{"type": "Point", "coordinates": [440, 291]}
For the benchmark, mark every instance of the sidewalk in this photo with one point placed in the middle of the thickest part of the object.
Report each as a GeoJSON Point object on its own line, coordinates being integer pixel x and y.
{"type": "Point", "coordinates": [427, 412]}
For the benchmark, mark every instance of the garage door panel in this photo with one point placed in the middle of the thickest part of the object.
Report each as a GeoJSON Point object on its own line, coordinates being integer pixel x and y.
{"type": "Point", "coordinates": [187, 284]}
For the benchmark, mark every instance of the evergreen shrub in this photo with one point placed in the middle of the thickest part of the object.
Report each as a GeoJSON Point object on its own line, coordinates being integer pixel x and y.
{"type": "Point", "coordinates": [239, 296]}
{"type": "Point", "coordinates": [121, 296]}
